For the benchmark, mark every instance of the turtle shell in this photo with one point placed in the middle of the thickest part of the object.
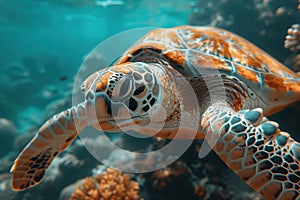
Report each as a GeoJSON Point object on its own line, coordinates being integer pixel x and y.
{"type": "Point", "coordinates": [186, 48]}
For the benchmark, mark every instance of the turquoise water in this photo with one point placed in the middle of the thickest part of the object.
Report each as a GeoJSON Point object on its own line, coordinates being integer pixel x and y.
{"type": "Point", "coordinates": [44, 42]}
{"type": "Point", "coordinates": [51, 38]}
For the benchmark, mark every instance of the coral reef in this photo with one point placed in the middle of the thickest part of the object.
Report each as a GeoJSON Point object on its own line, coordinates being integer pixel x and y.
{"type": "Point", "coordinates": [177, 177]}
{"type": "Point", "coordinates": [292, 40]}
{"type": "Point", "coordinates": [292, 43]}
{"type": "Point", "coordinates": [174, 175]}
{"type": "Point", "coordinates": [110, 185]}
{"type": "Point", "coordinates": [263, 22]}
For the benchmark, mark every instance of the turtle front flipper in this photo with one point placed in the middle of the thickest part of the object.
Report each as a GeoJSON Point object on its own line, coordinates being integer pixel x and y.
{"type": "Point", "coordinates": [267, 159]}
{"type": "Point", "coordinates": [51, 139]}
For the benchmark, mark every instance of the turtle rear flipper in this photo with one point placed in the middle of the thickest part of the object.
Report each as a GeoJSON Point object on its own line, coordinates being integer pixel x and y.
{"type": "Point", "coordinates": [51, 139]}
{"type": "Point", "coordinates": [267, 159]}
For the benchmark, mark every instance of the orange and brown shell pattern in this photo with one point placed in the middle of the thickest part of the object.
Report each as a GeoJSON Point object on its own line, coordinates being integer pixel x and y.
{"type": "Point", "coordinates": [269, 84]}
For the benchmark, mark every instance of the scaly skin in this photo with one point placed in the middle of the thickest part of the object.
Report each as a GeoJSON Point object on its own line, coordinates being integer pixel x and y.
{"type": "Point", "coordinates": [54, 136]}
{"type": "Point", "coordinates": [267, 159]}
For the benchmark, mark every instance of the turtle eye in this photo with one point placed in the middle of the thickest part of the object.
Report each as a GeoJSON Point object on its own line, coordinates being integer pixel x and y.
{"type": "Point", "coordinates": [123, 88]}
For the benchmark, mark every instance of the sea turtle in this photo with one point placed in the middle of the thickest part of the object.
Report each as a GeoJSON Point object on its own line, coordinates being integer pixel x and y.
{"type": "Point", "coordinates": [256, 85]}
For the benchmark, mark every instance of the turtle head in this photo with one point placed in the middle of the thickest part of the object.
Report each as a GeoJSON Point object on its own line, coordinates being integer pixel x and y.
{"type": "Point", "coordinates": [125, 94]}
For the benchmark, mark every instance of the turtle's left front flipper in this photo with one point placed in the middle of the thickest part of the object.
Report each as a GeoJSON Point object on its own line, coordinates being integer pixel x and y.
{"type": "Point", "coordinates": [267, 159]}
{"type": "Point", "coordinates": [51, 139]}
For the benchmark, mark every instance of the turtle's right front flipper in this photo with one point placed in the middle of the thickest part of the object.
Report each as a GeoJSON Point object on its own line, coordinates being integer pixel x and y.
{"type": "Point", "coordinates": [51, 139]}
{"type": "Point", "coordinates": [267, 159]}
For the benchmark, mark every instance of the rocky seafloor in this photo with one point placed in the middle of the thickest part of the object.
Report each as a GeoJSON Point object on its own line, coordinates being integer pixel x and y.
{"type": "Point", "coordinates": [38, 83]}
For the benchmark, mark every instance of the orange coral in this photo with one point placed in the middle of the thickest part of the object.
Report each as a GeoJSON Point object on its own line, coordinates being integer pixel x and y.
{"type": "Point", "coordinates": [111, 184]}
{"type": "Point", "coordinates": [292, 40]}
{"type": "Point", "coordinates": [167, 177]}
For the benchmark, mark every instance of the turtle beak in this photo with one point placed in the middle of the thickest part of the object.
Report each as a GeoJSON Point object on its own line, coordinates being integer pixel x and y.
{"type": "Point", "coordinates": [109, 115]}
{"type": "Point", "coordinates": [98, 109]}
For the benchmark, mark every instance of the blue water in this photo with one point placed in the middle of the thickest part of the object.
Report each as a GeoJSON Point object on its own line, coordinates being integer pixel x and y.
{"type": "Point", "coordinates": [55, 36]}
{"type": "Point", "coordinates": [70, 32]}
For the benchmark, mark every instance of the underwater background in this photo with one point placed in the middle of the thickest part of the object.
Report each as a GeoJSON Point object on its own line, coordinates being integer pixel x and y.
{"type": "Point", "coordinates": [44, 42]}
